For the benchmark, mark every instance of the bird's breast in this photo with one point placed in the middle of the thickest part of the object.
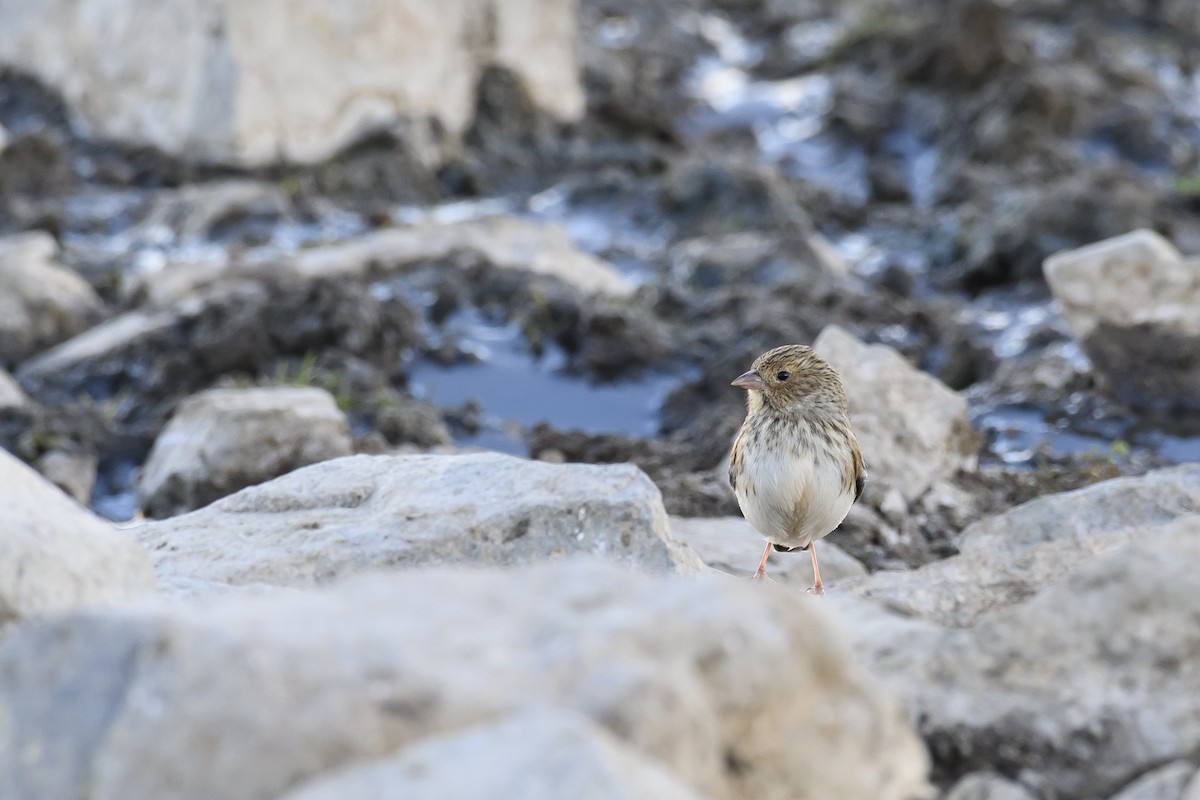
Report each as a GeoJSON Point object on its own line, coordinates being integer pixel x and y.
{"type": "Point", "coordinates": [792, 496]}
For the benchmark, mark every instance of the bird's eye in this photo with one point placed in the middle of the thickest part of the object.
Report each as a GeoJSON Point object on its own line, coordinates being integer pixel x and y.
{"type": "Point", "coordinates": [783, 375]}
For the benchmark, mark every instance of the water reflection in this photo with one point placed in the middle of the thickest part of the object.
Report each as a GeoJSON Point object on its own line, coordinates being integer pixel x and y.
{"type": "Point", "coordinates": [517, 390]}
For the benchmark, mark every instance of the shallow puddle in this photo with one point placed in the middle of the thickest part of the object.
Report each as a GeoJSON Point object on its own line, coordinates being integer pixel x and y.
{"type": "Point", "coordinates": [517, 391]}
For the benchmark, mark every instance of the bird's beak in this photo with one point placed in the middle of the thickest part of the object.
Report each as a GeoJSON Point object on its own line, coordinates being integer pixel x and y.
{"type": "Point", "coordinates": [749, 380]}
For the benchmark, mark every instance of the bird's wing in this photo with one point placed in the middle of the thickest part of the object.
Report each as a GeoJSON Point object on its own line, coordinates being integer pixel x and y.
{"type": "Point", "coordinates": [857, 472]}
{"type": "Point", "coordinates": [735, 459]}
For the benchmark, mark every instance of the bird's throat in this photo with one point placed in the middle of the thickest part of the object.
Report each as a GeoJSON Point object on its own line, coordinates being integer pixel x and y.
{"type": "Point", "coordinates": [755, 402]}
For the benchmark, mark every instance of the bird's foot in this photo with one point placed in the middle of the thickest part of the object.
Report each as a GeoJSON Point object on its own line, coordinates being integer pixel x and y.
{"type": "Point", "coordinates": [817, 589]}
{"type": "Point", "coordinates": [761, 575]}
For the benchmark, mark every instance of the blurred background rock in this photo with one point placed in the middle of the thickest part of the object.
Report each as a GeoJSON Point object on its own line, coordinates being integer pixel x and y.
{"type": "Point", "coordinates": [559, 227]}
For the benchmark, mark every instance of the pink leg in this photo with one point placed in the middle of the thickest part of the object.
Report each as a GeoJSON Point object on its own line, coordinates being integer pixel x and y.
{"type": "Point", "coordinates": [817, 587]}
{"type": "Point", "coordinates": [760, 574]}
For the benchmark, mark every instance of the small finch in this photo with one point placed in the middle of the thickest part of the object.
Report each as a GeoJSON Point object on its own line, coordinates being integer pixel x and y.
{"type": "Point", "coordinates": [796, 466]}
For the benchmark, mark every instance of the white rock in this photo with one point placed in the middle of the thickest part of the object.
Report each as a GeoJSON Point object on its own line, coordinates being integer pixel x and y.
{"type": "Point", "coordinates": [1007, 558]}
{"type": "Point", "coordinates": [1134, 278]}
{"type": "Point", "coordinates": [181, 278]}
{"type": "Point", "coordinates": [41, 301]}
{"type": "Point", "coordinates": [824, 254]}
{"type": "Point", "coordinates": [1087, 684]}
{"type": "Point", "coordinates": [252, 83]}
{"type": "Point", "coordinates": [505, 241]}
{"type": "Point", "coordinates": [1133, 302]}
{"type": "Point", "coordinates": [1168, 782]}
{"type": "Point", "coordinates": [74, 473]}
{"type": "Point", "coordinates": [959, 590]}
{"type": "Point", "coordinates": [740, 690]}
{"type": "Point", "coordinates": [730, 544]}
{"type": "Point", "coordinates": [740, 252]}
{"type": "Point", "coordinates": [222, 440]}
{"type": "Point", "coordinates": [200, 210]}
{"type": "Point", "coordinates": [196, 209]}
{"type": "Point", "coordinates": [122, 332]}
{"type": "Point", "coordinates": [913, 429]}
{"type": "Point", "coordinates": [986, 786]}
{"type": "Point", "coordinates": [894, 507]}
{"type": "Point", "coordinates": [538, 754]}
{"type": "Point", "coordinates": [1192, 792]}
{"type": "Point", "coordinates": [11, 394]}
{"type": "Point", "coordinates": [1155, 498]}
{"type": "Point", "coordinates": [370, 512]}
{"type": "Point", "coordinates": [55, 555]}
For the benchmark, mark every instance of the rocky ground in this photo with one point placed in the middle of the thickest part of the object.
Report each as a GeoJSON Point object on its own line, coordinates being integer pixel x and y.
{"type": "Point", "coordinates": [976, 210]}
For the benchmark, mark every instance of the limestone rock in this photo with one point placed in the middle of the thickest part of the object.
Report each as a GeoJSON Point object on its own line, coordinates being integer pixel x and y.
{"type": "Point", "coordinates": [1133, 278]}
{"type": "Point", "coordinates": [222, 440]}
{"type": "Point", "coordinates": [73, 472]}
{"type": "Point", "coordinates": [1151, 499]}
{"type": "Point", "coordinates": [986, 786]}
{"type": "Point", "coordinates": [41, 301]}
{"type": "Point", "coordinates": [740, 255]}
{"type": "Point", "coordinates": [1007, 558]}
{"type": "Point", "coordinates": [203, 209]}
{"type": "Point", "coordinates": [913, 429]}
{"type": "Point", "coordinates": [740, 690]}
{"type": "Point", "coordinates": [370, 512]}
{"type": "Point", "coordinates": [179, 279]}
{"type": "Point", "coordinates": [1192, 792]}
{"type": "Point", "coordinates": [11, 395]}
{"type": "Point", "coordinates": [957, 591]}
{"type": "Point", "coordinates": [1069, 615]}
{"type": "Point", "coordinates": [55, 555]}
{"type": "Point", "coordinates": [234, 211]}
{"type": "Point", "coordinates": [99, 349]}
{"type": "Point", "coordinates": [327, 74]}
{"type": "Point", "coordinates": [507, 242]}
{"type": "Point", "coordinates": [1084, 685]}
{"type": "Point", "coordinates": [730, 544]}
{"type": "Point", "coordinates": [1168, 782]}
{"type": "Point", "coordinates": [1133, 302]}
{"type": "Point", "coordinates": [533, 755]}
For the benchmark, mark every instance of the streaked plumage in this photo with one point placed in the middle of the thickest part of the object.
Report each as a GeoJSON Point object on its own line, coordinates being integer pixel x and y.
{"type": "Point", "coordinates": [796, 466]}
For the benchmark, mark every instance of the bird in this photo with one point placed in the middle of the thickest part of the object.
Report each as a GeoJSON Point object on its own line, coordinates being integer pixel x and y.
{"type": "Point", "coordinates": [796, 464]}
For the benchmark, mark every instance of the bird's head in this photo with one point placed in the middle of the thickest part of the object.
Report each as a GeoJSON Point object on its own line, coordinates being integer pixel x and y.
{"type": "Point", "coordinates": [792, 377]}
